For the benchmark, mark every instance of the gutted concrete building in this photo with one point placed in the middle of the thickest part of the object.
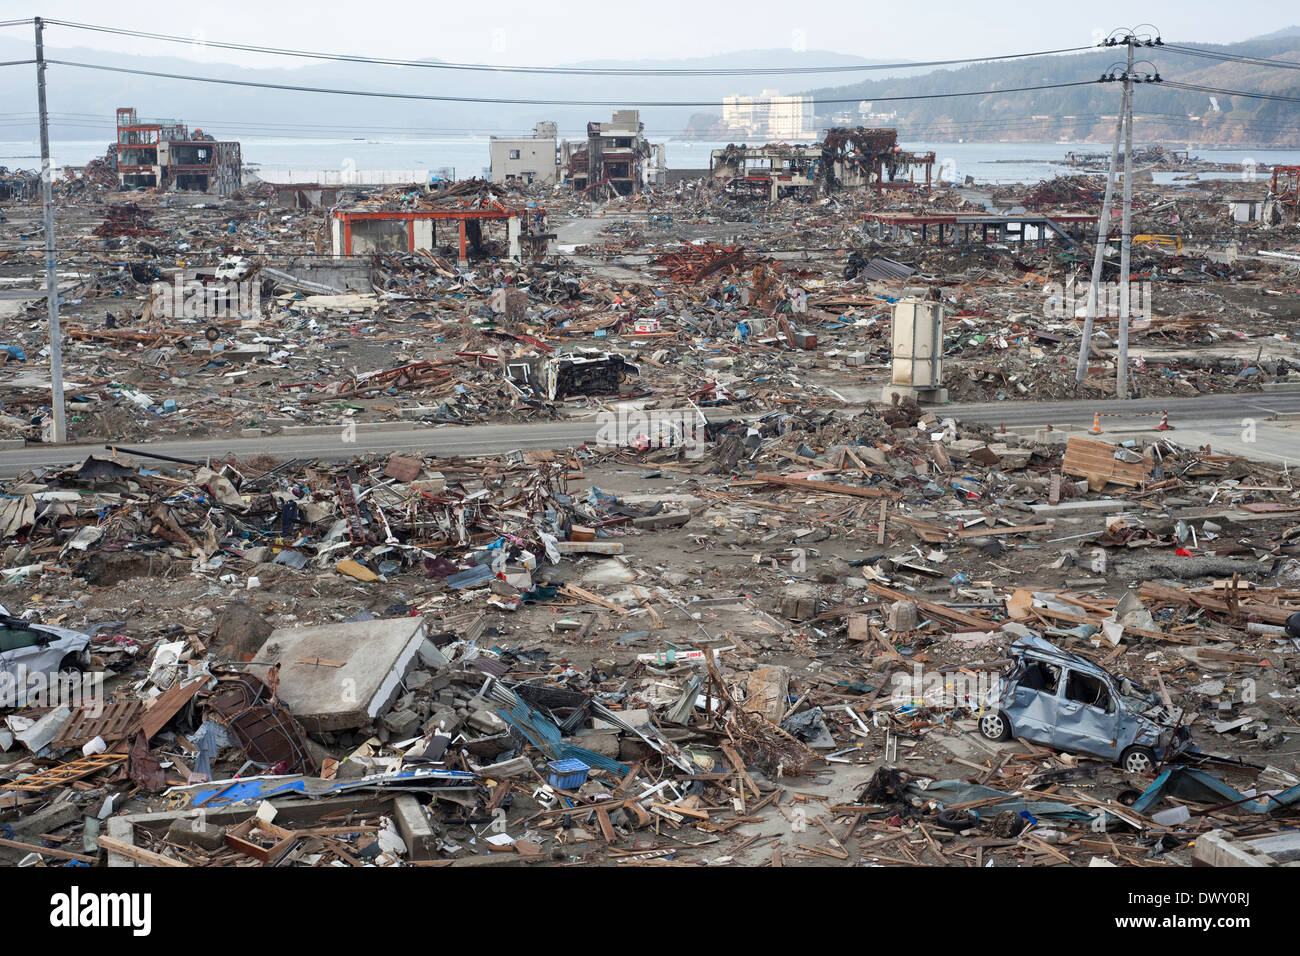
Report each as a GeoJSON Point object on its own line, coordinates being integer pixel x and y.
{"type": "Point", "coordinates": [165, 154]}
{"type": "Point", "coordinates": [844, 159]}
{"type": "Point", "coordinates": [616, 154]}
{"type": "Point", "coordinates": [461, 229]}
{"type": "Point", "coordinates": [526, 159]}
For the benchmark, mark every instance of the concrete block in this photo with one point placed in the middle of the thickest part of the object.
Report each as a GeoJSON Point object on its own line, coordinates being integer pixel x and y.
{"type": "Point", "coordinates": [204, 835]}
{"type": "Point", "coordinates": [799, 602]}
{"type": "Point", "coordinates": [486, 722]}
{"type": "Point", "coordinates": [375, 656]}
{"type": "Point", "coordinates": [401, 722]}
{"type": "Point", "coordinates": [603, 742]}
{"type": "Point", "coordinates": [446, 717]}
{"type": "Point", "coordinates": [1218, 848]}
{"type": "Point", "coordinates": [416, 831]}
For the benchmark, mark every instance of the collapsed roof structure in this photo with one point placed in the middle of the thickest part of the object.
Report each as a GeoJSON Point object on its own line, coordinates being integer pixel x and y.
{"type": "Point", "coordinates": [846, 158]}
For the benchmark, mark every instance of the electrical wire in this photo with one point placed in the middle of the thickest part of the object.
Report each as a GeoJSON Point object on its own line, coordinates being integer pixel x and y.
{"type": "Point", "coordinates": [1233, 57]}
{"type": "Point", "coordinates": [1197, 88]}
{"type": "Point", "coordinates": [561, 71]}
{"type": "Point", "coordinates": [521, 102]}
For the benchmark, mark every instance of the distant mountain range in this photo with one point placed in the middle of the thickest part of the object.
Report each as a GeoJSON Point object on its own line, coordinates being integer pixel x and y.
{"type": "Point", "coordinates": [82, 101]}
{"type": "Point", "coordinates": [232, 111]}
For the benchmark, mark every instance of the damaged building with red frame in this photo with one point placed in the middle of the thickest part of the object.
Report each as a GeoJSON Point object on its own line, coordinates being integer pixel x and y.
{"type": "Point", "coordinates": [165, 154]}
{"type": "Point", "coordinates": [844, 159]}
{"type": "Point", "coordinates": [617, 155]}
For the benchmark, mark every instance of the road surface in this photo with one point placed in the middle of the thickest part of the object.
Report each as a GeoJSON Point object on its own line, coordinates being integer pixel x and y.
{"type": "Point", "coordinates": [1198, 412]}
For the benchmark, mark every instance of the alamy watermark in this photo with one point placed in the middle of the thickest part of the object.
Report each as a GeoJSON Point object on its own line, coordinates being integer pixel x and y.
{"type": "Point", "coordinates": [193, 299]}
{"type": "Point", "coordinates": [644, 430]}
{"type": "Point", "coordinates": [932, 688]}
{"type": "Point", "coordinates": [1066, 301]}
{"type": "Point", "coordinates": [20, 687]}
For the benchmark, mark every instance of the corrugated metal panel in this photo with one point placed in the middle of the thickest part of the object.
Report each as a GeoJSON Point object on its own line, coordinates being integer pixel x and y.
{"type": "Point", "coordinates": [881, 269]}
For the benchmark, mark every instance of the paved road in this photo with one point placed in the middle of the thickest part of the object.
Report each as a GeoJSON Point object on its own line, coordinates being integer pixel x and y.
{"type": "Point", "coordinates": [494, 439]}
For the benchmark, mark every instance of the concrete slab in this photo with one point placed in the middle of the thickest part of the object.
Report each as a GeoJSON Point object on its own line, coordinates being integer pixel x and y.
{"type": "Point", "coordinates": [1220, 848]}
{"type": "Point", "coordinates": [340, 676]}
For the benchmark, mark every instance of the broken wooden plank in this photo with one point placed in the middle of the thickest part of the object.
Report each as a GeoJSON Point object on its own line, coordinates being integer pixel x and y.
{"type": "Point", "coordinates": [825, 487]}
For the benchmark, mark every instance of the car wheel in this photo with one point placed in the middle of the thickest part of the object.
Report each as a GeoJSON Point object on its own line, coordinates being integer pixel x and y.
{"type": "Point", "coordinates": [995, 726]}
{"type": "Point", "coordinates": [71, 670]}
{"type": "Point", "coordinates": [1138, 760]}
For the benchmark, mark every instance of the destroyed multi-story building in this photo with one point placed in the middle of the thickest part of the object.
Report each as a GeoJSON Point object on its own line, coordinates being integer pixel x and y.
{"type": "Point", "coordinates": [165, 154]}
{"type": "Point", "coordinates": [526, 159]}
{"type": "Point", "coordinates": [845, 158]}
{"type": "Point", "coordinates": [616, 154]}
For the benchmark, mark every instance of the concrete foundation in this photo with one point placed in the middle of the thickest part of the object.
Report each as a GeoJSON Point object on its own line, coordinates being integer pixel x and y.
{"type": "Point", "coordinates": [922, 396]}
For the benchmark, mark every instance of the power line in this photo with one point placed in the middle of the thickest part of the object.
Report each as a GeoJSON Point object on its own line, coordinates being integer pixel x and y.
{"type": "Point", "coordinates": [520, 102]}
{"type": "Point", "coordinates": [1234, 57]}
{"type": "Point", "coordinates": [1197, 88]}
{"type": "Point", "coordinates": [569, 71]}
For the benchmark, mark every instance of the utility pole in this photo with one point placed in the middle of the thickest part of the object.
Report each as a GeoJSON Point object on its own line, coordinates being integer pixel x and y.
{"type": "Point", "coordinates": [1126, 229]}
{"type": "Point", "coordinates": [1103, 236]}
{"type": "Point", "coordinates": [1124, 124]}
{"type": "Point", "coordinates": [59, 434]}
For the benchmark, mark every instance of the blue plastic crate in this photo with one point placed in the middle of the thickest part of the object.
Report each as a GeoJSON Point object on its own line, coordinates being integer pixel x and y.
{"type": "Point", "coordinates": [567, 774]}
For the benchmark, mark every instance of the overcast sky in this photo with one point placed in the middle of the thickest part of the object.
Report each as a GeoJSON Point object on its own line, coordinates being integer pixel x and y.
{"type": "Point", "coordinates": [536, 33]}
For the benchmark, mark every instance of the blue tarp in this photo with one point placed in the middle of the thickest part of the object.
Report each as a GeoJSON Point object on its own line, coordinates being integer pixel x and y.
{"type": "Point", "coordinates": [1188, 783]}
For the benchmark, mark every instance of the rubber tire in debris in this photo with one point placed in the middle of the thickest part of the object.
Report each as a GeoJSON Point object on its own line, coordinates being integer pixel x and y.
{"type": "Point", "coordinates": [955, 820]}
{"type": "Point", "coordinates": [1128, 760]}
{"type": "Point", "coordinates": [212, 333]}
{"type": "Point", "coordinates": [995, 718]}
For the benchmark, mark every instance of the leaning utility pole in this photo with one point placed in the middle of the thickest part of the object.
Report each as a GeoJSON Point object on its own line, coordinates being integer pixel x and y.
{"type": "Point", "coordinates": [1103, 236]}
{"type": "Point", "coordinates": [1124, 125]}
{"type": "Point", "coordinates": [1126, 228]}
{"type": "Point", "coordinates": [59, 433]}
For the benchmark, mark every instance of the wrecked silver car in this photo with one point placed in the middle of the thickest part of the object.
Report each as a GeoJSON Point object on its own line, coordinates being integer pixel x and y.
{"type": "Point", "coordinates": [1052, 697]}
{"type": "Point", "coordinates": [27, 648]}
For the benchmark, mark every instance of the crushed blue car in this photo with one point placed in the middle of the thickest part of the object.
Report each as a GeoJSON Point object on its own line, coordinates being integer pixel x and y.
{"type": "Point", "coordinates": [1061, 700]}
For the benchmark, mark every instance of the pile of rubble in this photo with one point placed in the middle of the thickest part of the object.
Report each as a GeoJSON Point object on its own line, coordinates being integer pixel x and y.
{"type": "Point", "coordinates": [795, 648]}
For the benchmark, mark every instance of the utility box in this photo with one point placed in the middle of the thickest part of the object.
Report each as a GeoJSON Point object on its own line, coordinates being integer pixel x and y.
{"type": "Point", "coordinates": [917, 351]}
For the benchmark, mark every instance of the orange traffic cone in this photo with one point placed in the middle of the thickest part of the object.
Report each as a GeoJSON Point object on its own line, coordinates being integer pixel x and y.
{"type": "Point", "coordinates": [1096, 423]}
{"type": "Point", "coordinates": [1164, 425]}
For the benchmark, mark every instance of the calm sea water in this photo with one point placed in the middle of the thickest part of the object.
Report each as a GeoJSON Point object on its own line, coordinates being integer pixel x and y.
{"type": "Point", "coordinates": [468, 156]}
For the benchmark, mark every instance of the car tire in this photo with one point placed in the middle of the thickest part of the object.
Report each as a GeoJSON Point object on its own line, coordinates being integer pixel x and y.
{"type": "Point", "coordinates": [71, 668]}
{"type": "Point", "coordinates": [994, 725]}
{"type": "Point", "coordinates": [955, 820]}
{"type": "Point", "coordinates": [1138, 760]}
